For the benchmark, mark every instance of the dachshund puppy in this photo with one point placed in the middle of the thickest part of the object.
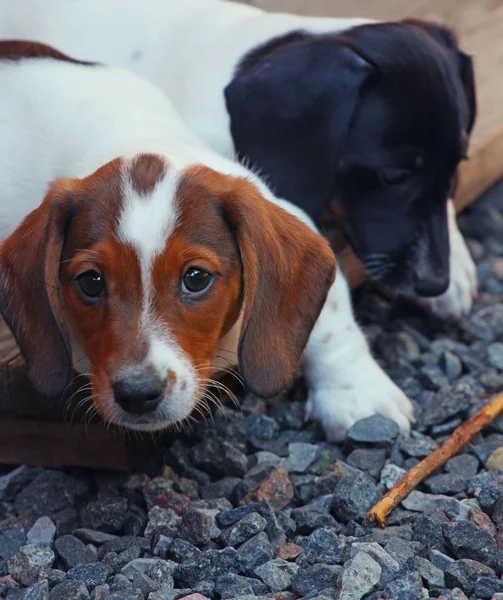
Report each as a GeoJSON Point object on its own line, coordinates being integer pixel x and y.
{"type": "Point", "coordinates": [132, 252]}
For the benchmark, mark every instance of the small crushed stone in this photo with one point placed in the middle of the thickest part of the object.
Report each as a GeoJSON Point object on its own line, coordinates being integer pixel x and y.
{"type": "Point", "coordinates": [256, 505]}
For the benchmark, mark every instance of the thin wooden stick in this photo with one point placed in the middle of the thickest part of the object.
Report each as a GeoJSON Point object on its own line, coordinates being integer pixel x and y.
{"type": "Point", "coordinates": [459, 438]}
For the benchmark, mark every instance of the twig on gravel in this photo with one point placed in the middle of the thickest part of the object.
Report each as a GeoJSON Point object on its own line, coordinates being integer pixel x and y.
{"type": "Point", "coordinates": [459, 438]}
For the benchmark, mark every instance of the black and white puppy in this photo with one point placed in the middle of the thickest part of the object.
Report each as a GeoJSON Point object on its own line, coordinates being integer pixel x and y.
{"type": "Point", "coordinates": [372, 118]}
{"type": "Point", "coordinates": [376, 118]}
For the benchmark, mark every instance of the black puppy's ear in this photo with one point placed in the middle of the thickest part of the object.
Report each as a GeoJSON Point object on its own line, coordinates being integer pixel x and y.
{"type": "Point", "coordinates": [442, 34]}
{"type": "Point", "coordinates": [290, 110]}
{"type": "Point", "coordinates": [447, 39]}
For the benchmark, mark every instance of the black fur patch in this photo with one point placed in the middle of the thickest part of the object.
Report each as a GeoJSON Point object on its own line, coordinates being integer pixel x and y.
{"type": "Point", "coordinates": [377, 116]}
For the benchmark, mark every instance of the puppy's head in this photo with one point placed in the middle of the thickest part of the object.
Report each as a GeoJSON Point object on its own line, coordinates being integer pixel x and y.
{"type": "Point", "coordinates": [377, 118]}
{"type": "Point", "coordinates": [407, 136]}
{"type": "Point", "coordinates": [146, 268]}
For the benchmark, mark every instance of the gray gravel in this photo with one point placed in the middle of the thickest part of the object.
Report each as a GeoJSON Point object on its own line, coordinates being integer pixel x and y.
{"type": "Point", "coordinates": [258, 505]}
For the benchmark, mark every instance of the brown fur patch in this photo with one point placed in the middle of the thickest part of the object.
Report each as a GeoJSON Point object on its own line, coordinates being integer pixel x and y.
{"type": "Point", "coordinates": [146, 171]}
{"type": "Point", "coordinates": [172, 379]}
{"type": "Point", "coordinates": [110, 331]}
{"type": "Point", "coordinates": [19, 49]}
{"type": "Point", "coordinates": [326, 338]}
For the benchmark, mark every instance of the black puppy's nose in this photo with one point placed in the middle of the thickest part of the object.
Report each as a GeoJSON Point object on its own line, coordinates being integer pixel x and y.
{"type": "Point", "coordinates": [431, 287]}
{"type": "Point", "coordinates": [139, 394]}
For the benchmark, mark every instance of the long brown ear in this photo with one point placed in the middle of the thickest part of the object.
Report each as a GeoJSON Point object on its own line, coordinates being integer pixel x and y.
{"type": "Point", "coordinates": [288, 270]}
{"type": "Point", "coordinates": [30, 300]}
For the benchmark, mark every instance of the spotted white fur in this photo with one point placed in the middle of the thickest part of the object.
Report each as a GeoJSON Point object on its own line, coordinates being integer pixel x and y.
{"type": "Point", "coordinates": [345, 382]}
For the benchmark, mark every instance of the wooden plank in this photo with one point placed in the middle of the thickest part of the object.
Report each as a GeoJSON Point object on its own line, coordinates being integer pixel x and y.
{"type": "Point", "coordinates": [21, 400]}
{"type": "Point", "coordinates": [482, 170]}
{"type": "Point", "coordinates": [56, 445]}
{"type": "Point", "coordinates": [7, 346]}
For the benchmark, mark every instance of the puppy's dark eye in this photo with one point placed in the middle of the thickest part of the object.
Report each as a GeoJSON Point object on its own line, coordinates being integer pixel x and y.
{"type": "Point", "coordinates": [393, 176]}
{"type": "Point", "coordinates": [418, 163]}
{"type": "Point", "coordinates": [91, 284]}
{"type": "Point", "coordinates": [196, 280]}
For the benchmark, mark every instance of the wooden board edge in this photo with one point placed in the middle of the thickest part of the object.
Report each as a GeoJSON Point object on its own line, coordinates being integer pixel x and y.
{"type": "Point", "coordinates": [59, 445]}
{"type": "Point", "coordinates": [483, 169]}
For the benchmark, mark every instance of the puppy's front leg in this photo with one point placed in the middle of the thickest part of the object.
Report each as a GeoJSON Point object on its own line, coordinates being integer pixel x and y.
{"type": "Point", "coordinates": [345, 382]}
{"type": "Point", "coordinates": [457, 301]}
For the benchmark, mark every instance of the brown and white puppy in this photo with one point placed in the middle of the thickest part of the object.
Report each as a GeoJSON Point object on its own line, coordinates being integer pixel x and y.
{"type": "Point", "coordinates": [149, 261]}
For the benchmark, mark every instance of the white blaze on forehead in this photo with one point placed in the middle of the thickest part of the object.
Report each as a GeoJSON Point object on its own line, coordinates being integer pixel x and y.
{"type": "Point", "coordinates": [147, 220]}
{"type": "Point", "coordinates": [146, 224]}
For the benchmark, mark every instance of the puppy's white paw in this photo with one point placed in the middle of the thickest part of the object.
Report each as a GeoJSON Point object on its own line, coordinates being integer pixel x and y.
{"type": "Point", "coordinates": [337, 405]}
{"type": "Point", "coordinates": [458, 300]}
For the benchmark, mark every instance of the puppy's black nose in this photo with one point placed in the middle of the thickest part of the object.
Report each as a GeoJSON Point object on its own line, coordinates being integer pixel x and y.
{"type": "Point", "coordinates": [431, 287]}
{"type": "Point", "coordinates": [139, 394]}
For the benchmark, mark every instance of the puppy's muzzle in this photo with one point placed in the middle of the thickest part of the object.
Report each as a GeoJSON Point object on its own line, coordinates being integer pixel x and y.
{"type": "Point", "coordinates": [139, 394]}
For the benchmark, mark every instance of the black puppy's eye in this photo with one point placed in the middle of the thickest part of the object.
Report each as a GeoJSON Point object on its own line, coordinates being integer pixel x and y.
{"type": "Point", "coordinates": [393, 176]}
{"type": "Point", "coordinates": [418, 163]}
{"type": "Point", "coordinates": [91, 284]}
{"type": "Point", "coordinates": [196, 280]}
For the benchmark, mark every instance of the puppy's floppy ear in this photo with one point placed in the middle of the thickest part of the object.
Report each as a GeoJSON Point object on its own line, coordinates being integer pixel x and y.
{"type": "Point", "coordinates": [464, 63]}
{"type": "Point", "coordinates": [30, 301]}
{"type": "Point", "coordinates": [287, 271]}
{"type": "Point", "coordinates": [290, 111]}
